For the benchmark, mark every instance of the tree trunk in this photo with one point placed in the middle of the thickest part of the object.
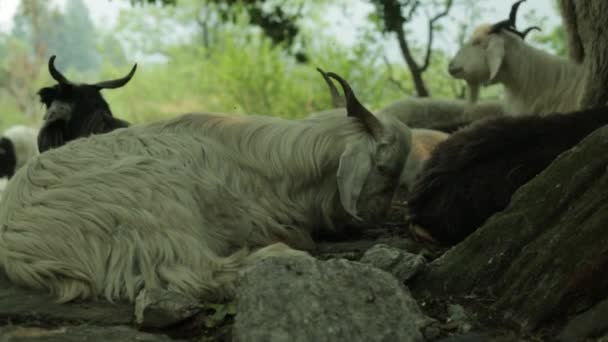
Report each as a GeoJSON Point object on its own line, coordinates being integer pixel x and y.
{"type": "Point", "coordinates": [544, 256]}
{"type": "Point", "coordinates": [413, 67]}
{"type": "Point", "coordinates": [592, 25]}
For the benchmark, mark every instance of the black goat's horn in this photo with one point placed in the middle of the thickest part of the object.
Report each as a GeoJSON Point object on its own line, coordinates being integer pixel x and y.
{"type": "Point", "coordinates": [528, 30]}
{"type": "Point", "coordinates": [57, 76]}
{"type": "Point", "coordinates": [513, 13]}
{"type": "Point", "coordinates": [354, 108]}
{"type": "Point", "coordinates": [117, 83]}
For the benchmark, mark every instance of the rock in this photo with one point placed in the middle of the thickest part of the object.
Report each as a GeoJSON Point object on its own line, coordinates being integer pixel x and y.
{"type": "Point", "coordinates": [401, 264]}
{"type": "Point", "coordinates": [590, 323]}
{"type": "Point", "coordinates": [77, 334]}
{"type": "Point", "coordinates": [157, 308]}
{"type": "Point", "coordinates": [304, 299]}
{"type": "Point", "coordinates": [21, 305]}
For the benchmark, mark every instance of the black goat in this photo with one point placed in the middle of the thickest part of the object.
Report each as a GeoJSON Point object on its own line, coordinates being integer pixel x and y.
{"type": "Point", "coordinates": [76, 110]}
{"type": "Point", "coordinates": [473, 174]}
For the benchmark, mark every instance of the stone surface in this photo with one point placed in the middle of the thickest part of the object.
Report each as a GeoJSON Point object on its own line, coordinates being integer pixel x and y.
{"type": "Point", "coordinates": [18, 305]}
{"type": "Point", "coordinates": [158, 308]}
{"type": "Point", "coordinates": [302, 299]}
{"type": "Point", "coordinates": [77, 334]}
{"type": "Point", "coordinates": [399, 263]}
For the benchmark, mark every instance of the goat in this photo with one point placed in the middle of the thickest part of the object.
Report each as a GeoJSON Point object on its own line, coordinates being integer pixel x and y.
{"type": "Point", "coordinates": [76, 110]}
{"type": "Point", "coordinates": [534, 81]}
{"type": "Point", "coordinates": [185, 204]}
{"type": "Point", "coordinates": [473, 174]}
{"type": "Point", "coordinates": [440, 114]}
{"type": "Point", "coordinates": [17, 145]}
{"type": "Point", "coordinates": [423, 143]}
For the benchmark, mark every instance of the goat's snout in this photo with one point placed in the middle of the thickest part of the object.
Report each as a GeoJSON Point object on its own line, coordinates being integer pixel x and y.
{"type": "Point", "coordinates": [454, 69]}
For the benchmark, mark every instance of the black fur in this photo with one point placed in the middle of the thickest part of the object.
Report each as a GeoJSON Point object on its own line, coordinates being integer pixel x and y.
{"type": "Point", "coordinates": [91, 114]}
{"type": "Point", "coordinates": [472, 175]}
{"type": "Point", "coordinates": [8, 159]}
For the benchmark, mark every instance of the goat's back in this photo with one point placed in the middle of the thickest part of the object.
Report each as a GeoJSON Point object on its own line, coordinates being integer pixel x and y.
{"type": "Point", "coordinates": [474, 173]}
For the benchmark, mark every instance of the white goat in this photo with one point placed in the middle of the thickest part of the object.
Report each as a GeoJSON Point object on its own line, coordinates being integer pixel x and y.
{"type": "Point", "coordinates": [534, 81]}
{"type": "Point", "coordinates": [440, 114]}
{"type": "Point", "coordinates": [180, 204]}
{"type": "Point", "coordinates": [24, 145]}
{"type": "Point", "coordinates": [18, 144]}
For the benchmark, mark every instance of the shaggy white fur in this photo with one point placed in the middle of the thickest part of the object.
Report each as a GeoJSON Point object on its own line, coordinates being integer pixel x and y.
{"type": "Point", "coordinates": [181, 204]}
{"type": "Point", "coordinates": [534, 81]}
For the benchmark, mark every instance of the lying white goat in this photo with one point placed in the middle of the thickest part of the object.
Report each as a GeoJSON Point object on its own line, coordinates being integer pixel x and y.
{"type": "Point", "coordinates": [534, 81]}
{"type": "Point", "coordinates": [163, 205]}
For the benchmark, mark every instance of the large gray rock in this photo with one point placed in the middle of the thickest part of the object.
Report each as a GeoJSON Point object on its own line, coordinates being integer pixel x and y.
{"type": "Point", "coordinates": [401, 264]}
{"type": "Point", "coordinates": [77, 334]}
{"type": "Point", "coordinates": [157, 308]}
{"type": "Point", "coordinates": [304, 299]}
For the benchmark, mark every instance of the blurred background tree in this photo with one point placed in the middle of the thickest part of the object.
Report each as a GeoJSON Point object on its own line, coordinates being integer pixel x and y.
{"type": "Point", "coordinates": [240, 56]}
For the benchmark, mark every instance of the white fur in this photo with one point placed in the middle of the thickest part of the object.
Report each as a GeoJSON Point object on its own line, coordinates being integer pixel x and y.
{"type": "Point", "coordinates": [534, 81]}
{"type": "Point", "coordinates": [25, 142]}
{"type": "Point", "coordinates": [180, 204]}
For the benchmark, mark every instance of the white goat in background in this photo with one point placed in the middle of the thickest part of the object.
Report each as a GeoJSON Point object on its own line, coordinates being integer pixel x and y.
{"type": "Point", "coordinates": [535, 82]}
{"type": "Point", "coordinates": [181, 204]}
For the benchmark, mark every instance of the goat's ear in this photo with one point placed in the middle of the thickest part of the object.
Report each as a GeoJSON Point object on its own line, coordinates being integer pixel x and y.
{"type": "Point", "coordinates": [355, 166]}
{"type": "Point", "coordinates": [496, 55]}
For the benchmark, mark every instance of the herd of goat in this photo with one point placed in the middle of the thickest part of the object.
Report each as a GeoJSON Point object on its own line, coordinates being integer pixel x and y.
{"type": "Point", "coordinates": [97, 207]}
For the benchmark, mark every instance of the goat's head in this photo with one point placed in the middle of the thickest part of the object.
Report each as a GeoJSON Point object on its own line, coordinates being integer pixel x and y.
{"type": "Point", "coordinates": [8, 159]}
{"type": "Point", "coordinates": [370, 169]}
{"type": "Point", "coordinates": [74, 110]}
{"type": "Point", "coordinates": [479, 60]}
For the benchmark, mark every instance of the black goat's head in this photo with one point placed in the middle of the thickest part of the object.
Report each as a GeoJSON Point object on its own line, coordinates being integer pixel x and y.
{"type": "Point", "coordinates": [76, 110]}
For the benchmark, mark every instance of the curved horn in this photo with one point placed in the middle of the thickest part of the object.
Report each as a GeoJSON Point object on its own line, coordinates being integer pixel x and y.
{"type": "Point", "coordinates": [509, 23]}
{"type": "Point", "coordinates": [528, 30]}
{"type": "Point", "coordinates": [117, 83]}
{"type": "Point", "coordinates": [513, 13]}
{"type": "Point", "coordinates": [337, 100]}
{"type": "Point", "coordinates": [354, 108]}
{"type": "Point", "coordinates": [57, 76]}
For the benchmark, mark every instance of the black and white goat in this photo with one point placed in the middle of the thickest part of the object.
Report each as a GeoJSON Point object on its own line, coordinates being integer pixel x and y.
{"type": "Point", "coordinates": [76, 110]}
{"type": "Point", "coordinates": [472, 175]}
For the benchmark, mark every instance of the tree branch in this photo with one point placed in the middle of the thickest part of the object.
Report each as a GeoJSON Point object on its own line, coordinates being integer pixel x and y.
{"type": "Point", "coordinates": [391, 78]}
{"type": "Point", "coordinates": [429, 43]}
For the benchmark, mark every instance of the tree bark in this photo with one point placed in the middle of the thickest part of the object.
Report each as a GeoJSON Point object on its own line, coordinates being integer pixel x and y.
{"type": "Point", "coordinates": [545, 256]}
{"type": "Point", "coordinates": [592, 26]}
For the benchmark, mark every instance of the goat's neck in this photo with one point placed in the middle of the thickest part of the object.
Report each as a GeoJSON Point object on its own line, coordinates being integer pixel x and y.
{"type": "Point", "coordinates": [537, 82]}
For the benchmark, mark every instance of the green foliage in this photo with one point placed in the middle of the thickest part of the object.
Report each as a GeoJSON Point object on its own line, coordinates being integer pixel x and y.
{"type": "Point", "coordinates": [75, 38]}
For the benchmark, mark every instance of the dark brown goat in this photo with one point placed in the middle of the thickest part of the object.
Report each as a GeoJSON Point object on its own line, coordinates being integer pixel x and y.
{"type": "Point", "coordinates": [473, 174]}
{"type": "Point", "coordinates": [76, 110]}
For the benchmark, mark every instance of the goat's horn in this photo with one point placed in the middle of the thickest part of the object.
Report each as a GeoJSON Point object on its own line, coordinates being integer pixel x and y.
{"type": "Point", "coordinates": [117, 83]}
{"type": "Point", "coordinates": [528, 30]}
{"type": "Point", "coordinates": [505, 24]}
{"type": "Point", "coordinates": [513, 13]}
{"type": "Point", "coordinates": [336, 99]}
{"type": "Point", "coordinates": [508, 24]}
{"type": "Point", "coordinates": [57, 76]}
{"type": "Point", "coordinates": [354, 108]}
